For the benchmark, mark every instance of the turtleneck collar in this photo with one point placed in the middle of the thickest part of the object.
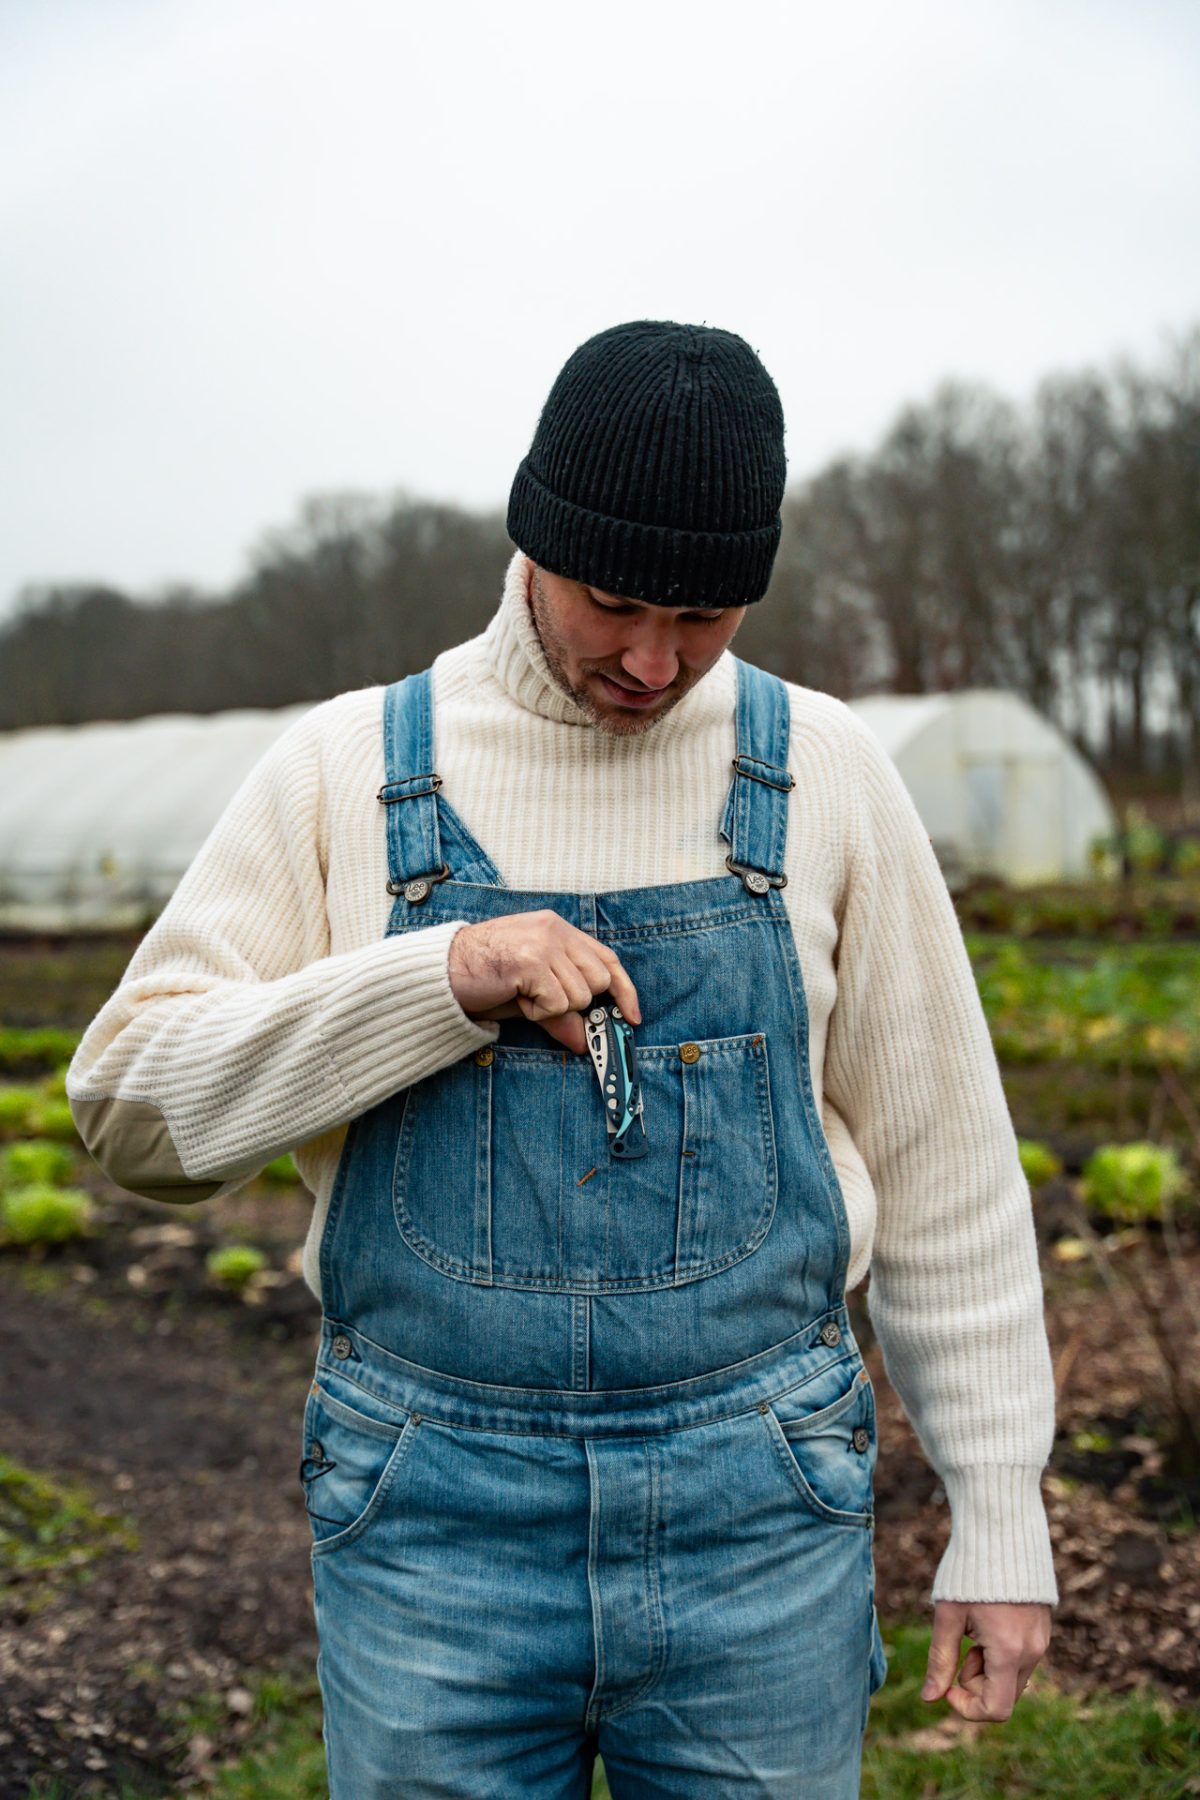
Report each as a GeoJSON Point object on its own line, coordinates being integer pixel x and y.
{"type": "Point", "coordinates": [514, 653]}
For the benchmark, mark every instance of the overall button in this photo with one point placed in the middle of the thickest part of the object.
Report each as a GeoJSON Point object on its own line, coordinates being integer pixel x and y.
{"type": "Point", "coordinates": [862, 1437]}
{"type": "Point", "coordinates": [484, 1056]}
{"type": "Point", "coordinates": [831, 1333]}
{"type": "Point", "coordinates": [689, 1053]}
{"type": "Point", "coordinates": [341, 1346]}
{"type": "Point", "coordinates": [317, 1451]}
{"type": "Point", "coordinates": [416, 890]}
{"type": "Point", "coordinates": [756, 882]}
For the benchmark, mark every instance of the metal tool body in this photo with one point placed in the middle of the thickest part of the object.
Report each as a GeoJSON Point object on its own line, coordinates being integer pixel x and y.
{"type": "Point", "coordinates": [610, 1043]}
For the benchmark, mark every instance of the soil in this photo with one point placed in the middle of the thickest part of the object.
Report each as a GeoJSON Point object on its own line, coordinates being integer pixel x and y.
{"type": "Point", "coordinates": [179, 1407]}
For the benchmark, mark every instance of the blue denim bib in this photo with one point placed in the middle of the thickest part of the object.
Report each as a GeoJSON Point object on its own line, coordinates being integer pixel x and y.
{"type": "Point", "coordinates": [478, 1224]}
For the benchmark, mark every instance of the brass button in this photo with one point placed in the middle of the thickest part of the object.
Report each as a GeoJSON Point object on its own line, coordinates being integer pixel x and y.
{"type": "Point", "coordinates": [484, 1056]}
{"type": "Point", "coordinates": [831, 1333]}
{"type": "Point", "coordinates": [689, 1053]}
{"type": "Point", "coordinates": [862, 1437]}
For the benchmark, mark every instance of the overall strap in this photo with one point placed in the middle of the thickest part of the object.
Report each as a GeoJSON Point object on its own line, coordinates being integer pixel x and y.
{"type": "Point", "coordinates": [414, 844]}
{"type": "Point", "coordinates": [754, 823]}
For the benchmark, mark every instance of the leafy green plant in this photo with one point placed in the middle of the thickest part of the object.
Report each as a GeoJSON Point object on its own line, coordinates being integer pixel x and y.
{"type": "Point", "coordinates": [52, 1119]}
{"type": "Point", "coordinates": [1131, 1183]}
{"type": "Point", "coordinates": [1186, 860]}
{"type": "Point", "coordinates": [24, 1047]}
{"type": "Point", "coordinates": [19, 1106]}
{"type": "Point", "coordinates": [235, 1265]}
{"type": "Point", "coordinates": [1038, 1161]}
{"type": "Point", "coordinates": [282, 1171]}
{"type": "Point", "coordinates": [41, 1213]}
{"type": "Point", "coordinates": [35, 1159]}
{"type": "Point", "coordinates": [1145, 846]}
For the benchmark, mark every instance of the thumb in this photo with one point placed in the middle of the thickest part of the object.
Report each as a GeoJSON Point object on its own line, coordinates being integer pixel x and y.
{"type": "Point", "coordinates": [948, 1623]}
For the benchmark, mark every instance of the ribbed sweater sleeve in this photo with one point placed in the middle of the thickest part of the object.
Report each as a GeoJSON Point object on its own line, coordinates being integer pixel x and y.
{"type": "Point", "coordinates": [235, 1023]}
{"type": "Point", "coordinates": [955, 1295]}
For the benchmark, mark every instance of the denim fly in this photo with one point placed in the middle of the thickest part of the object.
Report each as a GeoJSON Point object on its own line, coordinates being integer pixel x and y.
{"type": "Point", "coordinates": [589, 1450]}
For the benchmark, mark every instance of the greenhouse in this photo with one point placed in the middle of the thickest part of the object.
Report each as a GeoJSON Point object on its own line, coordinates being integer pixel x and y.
{"type": "Point", "coordinates": [99, 821]}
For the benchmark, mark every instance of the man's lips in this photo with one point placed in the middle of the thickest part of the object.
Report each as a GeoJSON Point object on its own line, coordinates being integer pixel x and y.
{"type": "Point", "coordinates": [631, 696]}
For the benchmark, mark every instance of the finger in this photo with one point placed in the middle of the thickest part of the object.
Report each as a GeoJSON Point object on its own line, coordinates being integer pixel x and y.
{"type": "Point", "coordinates": [949, 1619]}
{"type": "Point", "coordinates": [567, 1029]}
{"type": "Point", "coordinates": [982, 1692]}
{"type": "Point", "coordinates": [621, 985]}
{"type": "Point", "coordinates": [574, 983]}
{"type": "Point", "coordinates": [547, 998]}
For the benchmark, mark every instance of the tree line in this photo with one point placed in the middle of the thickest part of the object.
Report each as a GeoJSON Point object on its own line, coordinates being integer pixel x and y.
{"type": "Point", "coordinates": [1051, 548]}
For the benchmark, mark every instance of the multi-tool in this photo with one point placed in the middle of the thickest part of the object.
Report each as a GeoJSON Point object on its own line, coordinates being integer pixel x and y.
{"type": "Point", "coordinates": [610, 1041]}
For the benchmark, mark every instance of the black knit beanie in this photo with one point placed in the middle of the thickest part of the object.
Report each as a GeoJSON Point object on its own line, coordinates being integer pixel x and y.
{"type": "Point", "coordinates": [657, 468]}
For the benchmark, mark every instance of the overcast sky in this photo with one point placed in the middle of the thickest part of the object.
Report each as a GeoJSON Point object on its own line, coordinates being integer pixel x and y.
{"type": "Point", "coordinates": [256, 249]}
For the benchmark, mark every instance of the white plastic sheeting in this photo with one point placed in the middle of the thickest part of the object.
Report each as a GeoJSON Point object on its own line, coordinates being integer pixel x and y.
{"type": "Point", "coordinates": [98, 822]}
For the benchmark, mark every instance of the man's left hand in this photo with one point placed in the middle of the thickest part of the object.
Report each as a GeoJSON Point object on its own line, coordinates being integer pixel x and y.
{"type": "Point", "coordinates": [1010, 1640]}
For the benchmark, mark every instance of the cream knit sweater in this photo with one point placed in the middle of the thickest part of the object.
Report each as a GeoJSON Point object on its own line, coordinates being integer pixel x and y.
{"type": "Point", "coordinates": [266, 1008]}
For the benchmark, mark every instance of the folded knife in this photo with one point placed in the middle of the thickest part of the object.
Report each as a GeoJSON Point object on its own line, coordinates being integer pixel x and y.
{"type": "Point", "coordinates": [610, 1042]}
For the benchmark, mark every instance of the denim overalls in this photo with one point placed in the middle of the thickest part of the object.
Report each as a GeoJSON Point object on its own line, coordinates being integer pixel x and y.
{"type": "Point", "coordinates": [589, 1451]}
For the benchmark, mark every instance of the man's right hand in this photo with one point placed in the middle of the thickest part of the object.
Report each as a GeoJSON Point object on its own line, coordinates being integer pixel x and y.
{"type": "Point", "coordinates": [538, 965]}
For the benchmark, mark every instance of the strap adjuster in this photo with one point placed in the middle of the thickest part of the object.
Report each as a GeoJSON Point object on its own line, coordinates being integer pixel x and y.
{"type": "Point", "coordinates": [416, 887]}
{"type": "Point", "coordinates": [785, 786]}
{"type": "Point", "coordinates": [417, 794]}
{"type": "Point", "coordinates": [755, 881]}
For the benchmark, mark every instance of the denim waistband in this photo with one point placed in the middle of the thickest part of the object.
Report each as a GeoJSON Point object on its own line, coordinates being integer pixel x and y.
{"type": "Point", "coordinates": [607, 1412]}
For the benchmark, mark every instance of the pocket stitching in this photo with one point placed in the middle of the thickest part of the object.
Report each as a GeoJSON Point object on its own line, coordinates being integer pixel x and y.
{"type": "Point", "coordinates": [548, 1281]}
{"type": "Point", "coordinates": [832, 1514]}
{"type": "Point", "coordinates": [387, 1476]}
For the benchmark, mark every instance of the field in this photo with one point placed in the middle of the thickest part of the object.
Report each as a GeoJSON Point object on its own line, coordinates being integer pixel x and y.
{"type": "Point", "coordinates": [155, 1634]}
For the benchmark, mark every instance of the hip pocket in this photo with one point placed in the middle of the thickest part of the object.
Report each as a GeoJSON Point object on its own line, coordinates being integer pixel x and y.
{"type": "Point", "coordinates": [824, 1434]}
{"type": "Point", "coordinates": [503, 1173]}
{"type": "Point", "coordinates": [349, 1464]}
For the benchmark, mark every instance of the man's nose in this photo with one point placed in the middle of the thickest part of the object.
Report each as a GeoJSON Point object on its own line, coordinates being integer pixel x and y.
{"type": "Point", "coordinates": [651, 665]}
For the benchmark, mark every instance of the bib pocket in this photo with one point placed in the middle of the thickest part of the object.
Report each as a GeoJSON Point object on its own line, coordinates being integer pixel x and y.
{"type": "Point", "coordinates": [503, 1173]}
{"type": "Point", "coordinates": [349, 1464]}
{"type": "Point", "coordinates": [828, 1448]}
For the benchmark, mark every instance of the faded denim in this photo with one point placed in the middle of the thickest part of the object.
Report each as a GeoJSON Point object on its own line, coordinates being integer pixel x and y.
{"type": "Point", "coordinates": [590, 1447]}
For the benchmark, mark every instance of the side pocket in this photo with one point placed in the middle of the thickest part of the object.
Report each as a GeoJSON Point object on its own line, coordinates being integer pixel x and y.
{"type": "Point", "coordinates": [348, 1466]}
{"type": "Point", "coordinates": [830, 1453]}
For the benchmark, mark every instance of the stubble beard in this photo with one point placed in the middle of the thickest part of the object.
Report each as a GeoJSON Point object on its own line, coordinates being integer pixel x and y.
{"type": "Point", "coordinates": [616, 723]}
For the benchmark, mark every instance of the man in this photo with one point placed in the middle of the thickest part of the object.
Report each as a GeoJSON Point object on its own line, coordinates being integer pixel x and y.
{"type": "Point", "coordinates": [610, 994]}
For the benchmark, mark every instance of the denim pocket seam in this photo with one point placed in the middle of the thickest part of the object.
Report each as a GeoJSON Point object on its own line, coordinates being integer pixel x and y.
{"type": "Point", "coordinates": [732, 1051]}
{"type": "Point", "coordinates": [830, 1514]}
{"type": "Point", "coordinates": [397, 1457]}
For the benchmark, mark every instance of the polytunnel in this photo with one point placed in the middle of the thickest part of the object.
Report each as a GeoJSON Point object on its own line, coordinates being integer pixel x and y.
{"type": "Point", "coordinates": [1001, 790]}
{"type": "Point", "coordinates": [99, 821]}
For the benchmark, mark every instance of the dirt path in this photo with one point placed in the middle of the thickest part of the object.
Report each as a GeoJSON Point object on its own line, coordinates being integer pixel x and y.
{"type": "Point", "coordinates": [192, 1432]}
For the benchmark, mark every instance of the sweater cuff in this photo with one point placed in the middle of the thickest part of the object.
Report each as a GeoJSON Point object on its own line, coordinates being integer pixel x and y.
{"type": "Point", "coordinates": [400, 1017]}
{"type": "Point", "coordinates": [999, 1545]}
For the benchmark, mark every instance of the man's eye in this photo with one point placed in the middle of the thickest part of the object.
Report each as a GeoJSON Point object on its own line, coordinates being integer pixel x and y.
{"type": "Point", "coordinates": [696, 618]}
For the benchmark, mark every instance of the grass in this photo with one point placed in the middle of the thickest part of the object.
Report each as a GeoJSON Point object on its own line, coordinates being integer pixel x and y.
{"type": "Point", "coordinates": [1138, 1746]}
{"type": "Point", "coordinates": [50, 1529]}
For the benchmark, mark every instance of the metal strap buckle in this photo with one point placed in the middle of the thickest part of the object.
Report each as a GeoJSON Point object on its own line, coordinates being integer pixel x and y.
{"type": "Point", "coordinates": [422, 794]}
{"type": "Point", "coordinates": [784, 787]}
{"type": "Point", "coordinates": [755, 881]}
{"type": "Point", "coordinates": [409, 886]}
